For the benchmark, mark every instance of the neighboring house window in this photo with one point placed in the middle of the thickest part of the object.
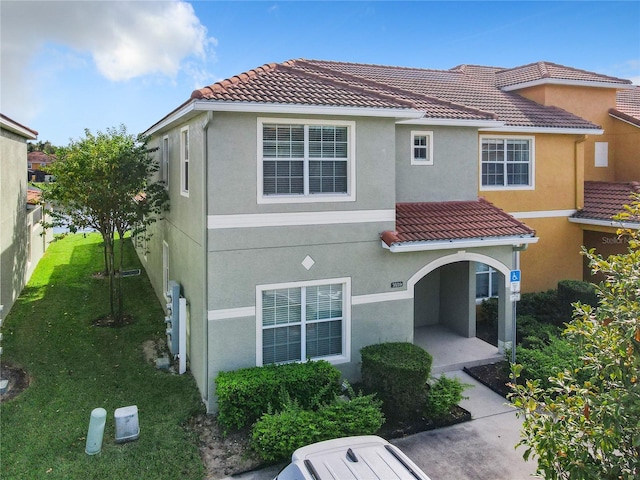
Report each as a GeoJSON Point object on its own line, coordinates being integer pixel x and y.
{"type": "Point", "coordinates": [487, 281]}
{"type": "Point", "coordinates": [421, 148]}
{"type": "Point", "coordinates": [303, 321]}
{"type": "Point", "coordinates": [184, 161]}
{"type": "Point", "coordinates": [165, 267]}
{"type": "Point", "coordinates": [305, 161]}
{"type": "Point", "coordinates": [29, 165]}
{"type": "Point", "coordinates": [164, 168]}
{"type": "Point", "coordinates": [602, 154]}
{"type": "Point", "coordinates": [506, 162]}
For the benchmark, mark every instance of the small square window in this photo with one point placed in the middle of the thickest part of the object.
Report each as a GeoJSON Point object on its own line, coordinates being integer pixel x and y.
{"type": "Point", "coordinates": [421, 148]}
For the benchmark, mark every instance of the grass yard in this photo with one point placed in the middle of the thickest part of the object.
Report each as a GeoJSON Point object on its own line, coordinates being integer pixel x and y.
{"type": "Point", "coordinates": [76, 367]}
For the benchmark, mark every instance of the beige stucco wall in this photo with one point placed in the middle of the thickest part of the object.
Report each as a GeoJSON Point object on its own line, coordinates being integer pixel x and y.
{"type": "Point", "coordinates": [626, 151]}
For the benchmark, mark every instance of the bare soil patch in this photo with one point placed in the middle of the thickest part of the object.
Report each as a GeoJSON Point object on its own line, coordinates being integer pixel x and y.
{"type": "Point", "coordinates": [18, 380]}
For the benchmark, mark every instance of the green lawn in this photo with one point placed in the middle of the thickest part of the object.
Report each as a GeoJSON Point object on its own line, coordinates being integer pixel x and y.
{"type": "Point", "coordinates": [76, 367]}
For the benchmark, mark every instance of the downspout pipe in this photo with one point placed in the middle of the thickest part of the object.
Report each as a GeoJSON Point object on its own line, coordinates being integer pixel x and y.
{"type": "Point", "coordinates": [579, 171]}
{"type": "Point", "coordinates": [205, 252]}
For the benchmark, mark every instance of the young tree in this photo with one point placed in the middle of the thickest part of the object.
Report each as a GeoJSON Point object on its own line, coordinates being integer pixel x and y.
{"type": "Point", "coordinates": [590, 429]}
{"type": "Point", "coordinates": [104, 182]}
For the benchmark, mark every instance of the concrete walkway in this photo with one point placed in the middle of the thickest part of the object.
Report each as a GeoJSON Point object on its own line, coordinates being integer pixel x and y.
{"type": "Point", "coordinates": [482, 449]}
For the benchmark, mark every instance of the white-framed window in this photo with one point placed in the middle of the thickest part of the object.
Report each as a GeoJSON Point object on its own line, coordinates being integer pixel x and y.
{"type": "Point", "coordinates": [506, 162]}
{"type": "Point", "coordinates": [305, 161]}
{"type": "Point", "coordinates": [184, 161]}
{"type": "Point", "coordinates": [303, 320]}
{"type": "Point", "coordinates": [421, 148]}
{"type": "Point", "coordinates": [601, 154]}
{"type": "Point", "coordinates": [487, 281]}
{"type": "Point", "coordinates": [164, 166]}
{"type": "Point", "coordinates": [165, 268]}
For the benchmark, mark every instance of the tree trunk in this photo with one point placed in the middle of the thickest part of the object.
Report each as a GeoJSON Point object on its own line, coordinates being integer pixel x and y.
{"type": "Point", "coordinates": [120, 293]}
{"type": "Point", "coordinates": [109, 258]}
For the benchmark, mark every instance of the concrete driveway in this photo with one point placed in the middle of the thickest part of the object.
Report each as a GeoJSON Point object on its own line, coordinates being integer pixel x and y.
{"type": "Point", "coordinates": [482, 449]}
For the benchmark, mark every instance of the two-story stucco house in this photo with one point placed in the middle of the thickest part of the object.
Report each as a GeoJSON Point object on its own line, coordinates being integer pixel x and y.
{"type": "Point", "coordinates": [318, 207]}
{"type": "Point", "coordinates": [22, 241]}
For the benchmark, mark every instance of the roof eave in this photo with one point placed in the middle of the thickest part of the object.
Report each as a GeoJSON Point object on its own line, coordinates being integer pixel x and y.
{"type": "Point", "coordinates": [564, 81]}
{"type": "Point", "coordinates": [556, 130]}
{"type": "Point", "coordinates": [452, 122]}
{"type": "Point", "coordinates": [280, 108]}
{"type": "Point", "coordinates": [430, 245]}
{"type": "Point", "coordinates": [8, 124]}
{"type": "Point", "coordinates": [605, 223]}
{"type": "Point", "coordinates": [618, 115]}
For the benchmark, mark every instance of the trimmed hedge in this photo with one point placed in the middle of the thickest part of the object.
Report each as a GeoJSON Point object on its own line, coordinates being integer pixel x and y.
{"type": "Point", "coordinates": [398, 372]}
{"type": "Point", "coordinates": [571, 291]}
{"type": "Point", "coordinates": [245, 394]}
{"type": "Point", "coordinates": [275, 437]}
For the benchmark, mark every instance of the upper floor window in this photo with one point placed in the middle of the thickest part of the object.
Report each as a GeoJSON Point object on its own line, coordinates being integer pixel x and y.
{"type": "Point", "coordinates": [304, 161]}
{"type": "Point", "coordinates": [601, 154]}
{"type": "Point", "coordinates": [303, 320]}
{"type": "Point", "coordinates": [164, 167]}
{"type": "Point", "coordinates": [506, 162]}
{"type": "Point", "coordinates": [184, 161]}
{"type": "Point", "coordinates": [421, 148]}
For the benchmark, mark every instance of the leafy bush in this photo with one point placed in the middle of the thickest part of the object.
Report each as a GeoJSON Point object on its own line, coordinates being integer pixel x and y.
{"type": "Point", "coordinates": [276, 436]}
{"type": "Point", "coordinates": [398, 372]}
{"type": "Point", "coordinates": [545, 360]}
{"type": "Point", "coordinates": [531, 332]}
{"type": "Point", "coordinates": [444, 394]}
{"type": "Point", "coordinates": [245, 394]}
{"type": "Point", "coordinates": [571, 291]}
{"type": "Point", "coordinates": [543, 306]}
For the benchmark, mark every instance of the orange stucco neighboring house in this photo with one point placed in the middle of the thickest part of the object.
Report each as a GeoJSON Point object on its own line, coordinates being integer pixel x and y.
{"type": "Point", "coordinates": [568, 167]}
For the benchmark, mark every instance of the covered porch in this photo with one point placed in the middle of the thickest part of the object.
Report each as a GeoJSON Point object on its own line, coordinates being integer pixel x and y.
{"type": "Point", "coordinates": [451, 351]}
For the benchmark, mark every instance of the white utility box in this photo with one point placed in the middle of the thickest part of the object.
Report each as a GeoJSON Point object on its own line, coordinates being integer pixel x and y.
{"type": "Point", "coordinates": [127, 426]}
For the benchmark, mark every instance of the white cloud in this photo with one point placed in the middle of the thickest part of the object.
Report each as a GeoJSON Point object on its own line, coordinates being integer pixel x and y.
{"type": "Point", "coordinates": [125, 40]}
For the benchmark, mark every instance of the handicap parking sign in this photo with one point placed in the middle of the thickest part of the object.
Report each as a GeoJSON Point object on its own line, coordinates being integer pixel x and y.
{"type": "Point", "coordinates": [515, 276]}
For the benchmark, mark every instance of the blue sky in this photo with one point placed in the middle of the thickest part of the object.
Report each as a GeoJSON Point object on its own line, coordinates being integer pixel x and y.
{"type": "Point", "coordinates": [66, 66]}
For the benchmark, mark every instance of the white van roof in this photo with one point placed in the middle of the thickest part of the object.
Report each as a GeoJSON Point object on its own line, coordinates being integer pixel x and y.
{"type": "Point", "coordinates": [362, 457]}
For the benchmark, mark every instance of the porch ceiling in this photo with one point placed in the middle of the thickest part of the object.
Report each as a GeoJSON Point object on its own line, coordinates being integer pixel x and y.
{"type": "Point", "coordinates": [453, 221]}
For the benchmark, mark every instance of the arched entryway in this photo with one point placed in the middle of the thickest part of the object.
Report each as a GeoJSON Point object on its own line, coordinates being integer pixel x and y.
{"type": "Point", "coordinates": [444, 293]}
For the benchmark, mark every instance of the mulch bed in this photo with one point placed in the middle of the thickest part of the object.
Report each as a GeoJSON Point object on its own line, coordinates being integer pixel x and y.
{"type": "Point", "coordinates": [495, 376]}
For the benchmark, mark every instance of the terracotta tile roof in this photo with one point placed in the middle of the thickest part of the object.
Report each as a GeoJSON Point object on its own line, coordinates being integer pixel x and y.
{"type": "Point", "coordinates": [40, 157]}
{"type": "Point", "coordinates": [33, 195]}
{"type": "Point", "coordinates": [628, 105]}
{"type": "Point", "coordinates": [603, 200]}
{"type": "Point", "coordinates": [551, 71]}
{"type": "Point", "coordinates": [278, 83]}
{"type": "Point", "coordinates": [456, 220]}
{"type": "Point", "coordinates": [459, 94]}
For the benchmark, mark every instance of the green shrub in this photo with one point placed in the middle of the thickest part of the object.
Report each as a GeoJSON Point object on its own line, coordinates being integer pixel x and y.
{"type": "Point", "coordinates": [533, 332]}
{"type": "Point", "coordinates": [444, 394]}
{"type": "Point", "coordinates": [276, 436]}
{"type": "Point", "coordinates": [542, 361]}
{"type": "Point", "coordinates": [571, 291]}
{"type": "Point", "coordinates": [398, 373]}
{"type": "Point", "coordinates": [543, 306]}
{"type": "Point", "coordinates": [245, 394]}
